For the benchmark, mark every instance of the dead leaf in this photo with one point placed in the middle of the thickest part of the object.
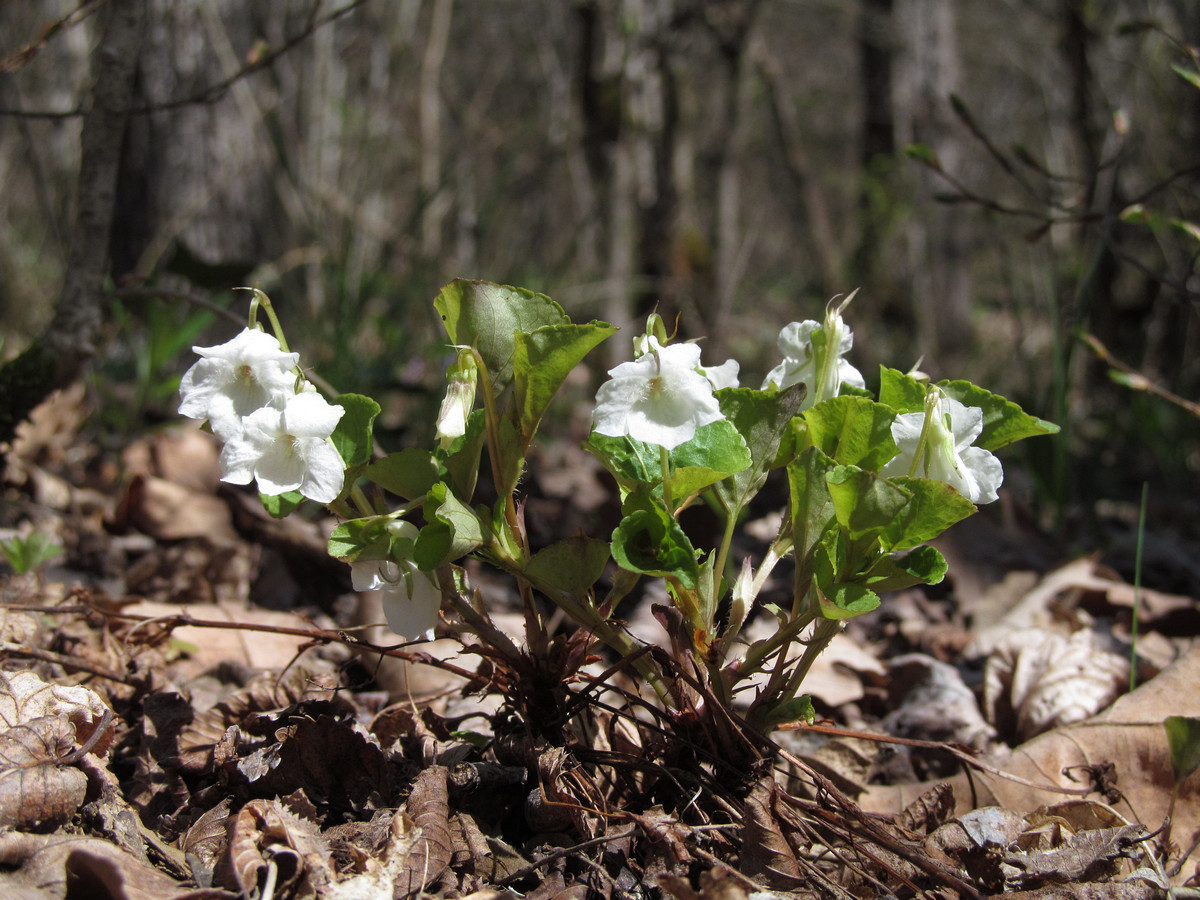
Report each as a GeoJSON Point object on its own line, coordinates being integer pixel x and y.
{"type": "Point", "coordinates": [766, 854]}
{"type": "Point", "coordinates": [1129, 735]}
{"type": "Point", "coordinates": [43, 866]}
{"type": "Point", "coordinates": [1035, 681]}
{"type": "Point", "coordinates": [930, 702]}
{"type": "Point", "coordinates": [1086, 856]}
{"type": "Point", "coordinates": [25, 697]}
{"type": "Point", "coordinates": [35, 790]}
{"type": "Point", "coordinates": [268, 841]}
{"type": "Point", "coordinates": [428, 808]}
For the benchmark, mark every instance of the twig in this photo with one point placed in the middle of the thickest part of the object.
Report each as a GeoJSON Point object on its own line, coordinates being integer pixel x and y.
{"type": "Point", "coordinates": [62, 659]}
{"type": "Point", "coordinates": [214, 92]}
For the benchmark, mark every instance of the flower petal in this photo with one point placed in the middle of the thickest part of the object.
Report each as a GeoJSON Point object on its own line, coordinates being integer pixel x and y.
{"type": "Point", "coordinates": [309, 415]}
{"type": "Point", "coordinates": [325, 471]}
{"type": "Point", "coordinates": [413, 616]}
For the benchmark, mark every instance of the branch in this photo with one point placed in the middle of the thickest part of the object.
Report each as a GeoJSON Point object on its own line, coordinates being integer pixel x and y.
{"type": "Point", "coordinates": [214, 92]}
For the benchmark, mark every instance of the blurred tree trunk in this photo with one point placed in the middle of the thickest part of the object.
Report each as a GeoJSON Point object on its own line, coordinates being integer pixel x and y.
{"type": "Point", "coordinates": [195, 184]}
{"type": "Point", "coordinates": [70, 342]}
{"type": "Point", "coordinates": [435, 199]}
{"type": "Point", "coordinates": [927, 73]}
{"type": "Point", "coordinates": [730, 24]}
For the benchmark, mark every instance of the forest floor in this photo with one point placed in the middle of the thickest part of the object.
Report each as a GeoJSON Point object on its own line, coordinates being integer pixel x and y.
{"type": "Point", "coordinates": [194, 705]}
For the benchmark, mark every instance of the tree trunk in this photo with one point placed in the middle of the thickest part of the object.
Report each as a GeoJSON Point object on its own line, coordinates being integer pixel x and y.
{"type": "Point", "coordinates": [927, 73]}
{"type": "Point", "coordinates": [70, 343]}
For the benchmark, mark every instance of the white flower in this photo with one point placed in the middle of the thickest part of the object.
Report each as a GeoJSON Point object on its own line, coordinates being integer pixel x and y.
{"type": "Point", "coordinates": [236, 378]}
{"type": "Point", "coordinates": [937, 443]}
{"type": "Point", "coordinates": [459, 400]}
{"type": "Point", "coordinates": [658, 398]}
{"type": "Point", "coordinates": [288, 449]}
{"type": "Point", "coordinates": [411, 598]}
{"type": "Point", "coordinates": [812, 353]}
{"type": "Point", "coordinates": [723, 376]}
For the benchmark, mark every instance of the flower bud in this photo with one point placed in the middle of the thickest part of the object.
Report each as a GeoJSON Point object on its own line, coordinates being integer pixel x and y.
{"type": "Point", "coordinates": [462, 377]}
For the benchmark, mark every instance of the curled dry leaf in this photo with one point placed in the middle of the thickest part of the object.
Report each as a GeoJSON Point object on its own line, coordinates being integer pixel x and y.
{"type": "Point", "coordinates": [428, 807]}
{"type": "Point", "coordinates": [1128, 734]}
{"type": "Point", "coordinates": [43, 866]}
{"type": "Point", "coordinates": [1036, 681]}
{"type": "Point", "coordinates": [766, 854]}
{"type": "Point", "coordinates": [264, 836]}
{"type": "Point", "coordinates": [34, 788]}
{"type": "Point", "coordinates": [931, 702]}
{"type": "Point", "coordinates": [25, 697]}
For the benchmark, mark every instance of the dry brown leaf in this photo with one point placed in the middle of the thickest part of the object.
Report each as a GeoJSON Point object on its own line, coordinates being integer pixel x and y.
{"type": "Point", "coordinates": [210, 647]}
{"type": "Point", "coordinates": [34, 788]}
{"type": "Point", "coordinates": [1129, 735]}
{"type": "Point", "coordinates": [428, 807]}
{"type": "Point", "coordinates": [1086, 856]}
{"type": "Point", "coordinates": [1035, 681]}
{"type": "Point", "coordinates": [172, 512]}
{"type": "Point", "coordinates": [766, 854]}
{"type": "Point", "coordinates": [265, 836]}
{"type": "Point", "coordinates": [49, 863]}
{"type": "Point", "coordinates": [25, 697]}
{"type": "Point", "coordinates": [204, 842]}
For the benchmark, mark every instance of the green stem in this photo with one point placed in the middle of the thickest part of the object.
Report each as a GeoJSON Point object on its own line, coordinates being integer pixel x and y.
{"type": "Point", "coordinates": [665, 459]}
{"type": "Point", "coordinates": [824, 632]}
{"type": "Point", "coordinates": [722, 557]}
{"type": "Point", "coordinates": [261, 299]}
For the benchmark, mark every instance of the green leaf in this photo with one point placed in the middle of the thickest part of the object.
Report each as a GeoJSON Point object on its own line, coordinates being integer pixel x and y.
{"type": "Point", "coordinates": [571, 565]}
{"type": "Point", "coordinates": [853, 431]}
{"type": "Point", "coordinates": [923, 154]}
{"type": "Point", "coordinates": [838, 599]}
{"type": "Point", "coordinates": [489, 317]}
{"type": "Point", "coordinates": [934, 507]}
{"type": "Point", "coordinates": [1003, 421]}
{"type": "Point", "coordinates": [798, 709]}
{"type": "Point", "coordinates": [627, 460]}
{"type": "Point", "coordinates": [650, 541]}
{"type": "Point", "coordinates": [901, 392]}
{"type": "Point", "coordinates": [280, 505]}
{"type": "Point", "coordinates": [462, 458]}
{"type": "Point", "coordinates": [811, 504]}
{"type": "Point", "coordinates": [454, 530]}
{"type": "Point", "coordinates": [864, 503]}
{"type": "Point", "coordinates": [542, 361]}
{"type": "Point", "coordinates": [410, 473]}
{"type": "Point", "coordinates": [715, 452]}
{"type": "Point", "coordinates": [26, 554]}
{"type": "Point", "coordinates": [761, 419]}
{"type": "Point", "coordinates": [352, 436]}
{"type": "Point", "coordinates": [352, 539]}
{"type": "Point", "coordinates": [1183, 736]}
{"type": "Point", "coordinates": [1189, 75]}
{"type": "Point", "coordinates": [924, 565]}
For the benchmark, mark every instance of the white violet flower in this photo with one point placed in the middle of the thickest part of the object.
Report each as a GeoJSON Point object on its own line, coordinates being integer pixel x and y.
{"type": "Point", "coordinates": [812, 353]}
{"type": "Point", "coordinates": [411, 598]}
{"type": "Point", "coordinates": [463, 379]}
{"type": "Point", "coordinates": [937, 443]}
{"type": "Point", "coordinates": [659, 398]}
{"type": "Point", "coordinates": [236, 378]}
{"type": "Point", "coordinates": [288, 449]}
{"type": "Point", "coordinates": [723, 376]}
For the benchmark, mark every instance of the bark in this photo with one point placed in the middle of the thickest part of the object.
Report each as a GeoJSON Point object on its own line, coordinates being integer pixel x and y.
{"type": "Point", "coordinates": [70, 343]}
{"type": "Point", "coordinates": [928, 73]}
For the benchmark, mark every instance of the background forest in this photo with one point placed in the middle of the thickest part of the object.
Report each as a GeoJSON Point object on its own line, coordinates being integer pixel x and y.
{"type": "Point", "coordinates": [997, 178]}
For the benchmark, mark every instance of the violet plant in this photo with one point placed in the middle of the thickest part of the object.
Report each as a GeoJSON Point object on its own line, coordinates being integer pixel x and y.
{"type": "Point", "coordinates": [871, 480]}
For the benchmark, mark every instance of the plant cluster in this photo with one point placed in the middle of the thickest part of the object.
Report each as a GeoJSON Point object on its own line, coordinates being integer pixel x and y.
{"type": "Point", "coordinates": [871, 480]}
